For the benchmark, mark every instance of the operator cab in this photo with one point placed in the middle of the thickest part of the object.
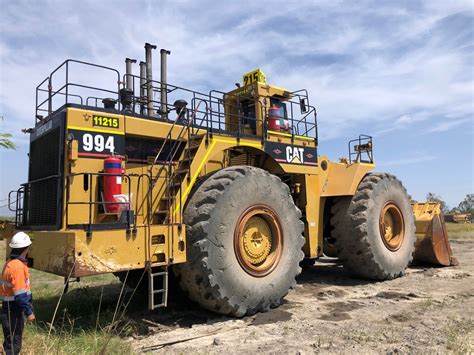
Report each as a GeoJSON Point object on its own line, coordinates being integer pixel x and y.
{"type": "Point", "coordinates": [258, 109]}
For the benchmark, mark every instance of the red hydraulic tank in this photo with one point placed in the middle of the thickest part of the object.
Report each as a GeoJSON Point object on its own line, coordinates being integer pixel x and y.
{"type": "Point", "coordinates": [274, 119]}
{"type": "Point", "coordinates": [112, 183]}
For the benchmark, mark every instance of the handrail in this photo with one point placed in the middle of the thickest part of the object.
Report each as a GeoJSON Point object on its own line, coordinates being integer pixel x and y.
{"type": "Point", "coordinates": [364, 145]}
{"type": "Point", "coordinates": [67, 84]}
{"type": "Point", "coordinates": [61, 93]}
{"type": "Point", "coordinates": [218, 104]}
{"type": "Point", "coordinates": [91, 202]}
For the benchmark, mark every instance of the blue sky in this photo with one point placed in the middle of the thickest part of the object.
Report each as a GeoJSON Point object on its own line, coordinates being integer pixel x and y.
{"type": "Point", "coordinates": [401, 71]}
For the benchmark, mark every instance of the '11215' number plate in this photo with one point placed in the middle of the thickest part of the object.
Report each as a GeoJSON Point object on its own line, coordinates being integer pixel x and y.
{"type": "Point", "coordinates": [102, 121]}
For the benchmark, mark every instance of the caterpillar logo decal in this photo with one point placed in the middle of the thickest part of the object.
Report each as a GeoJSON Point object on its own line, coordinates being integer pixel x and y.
{"type": "Point", "coordinates": [292, 154]}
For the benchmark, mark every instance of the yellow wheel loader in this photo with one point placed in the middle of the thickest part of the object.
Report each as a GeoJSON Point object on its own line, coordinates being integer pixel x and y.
{"type": "Point", "coordinates": [225, 192]}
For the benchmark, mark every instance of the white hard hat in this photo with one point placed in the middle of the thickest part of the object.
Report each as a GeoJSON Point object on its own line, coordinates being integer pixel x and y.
{"type": "Point", "coordinates": [20, 240]}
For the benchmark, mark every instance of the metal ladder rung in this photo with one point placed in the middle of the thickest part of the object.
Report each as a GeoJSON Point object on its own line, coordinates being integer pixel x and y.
{"type": "Point", "coordinates": [158, 291]}
{"type": "Point", "coordinates": [160, 273]}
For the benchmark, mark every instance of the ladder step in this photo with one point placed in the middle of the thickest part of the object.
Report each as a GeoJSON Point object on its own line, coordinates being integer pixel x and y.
{"type": "Point", "coordinates": [159, 273]}
{"type": "Point", "coordinates": [161, 212]}
{"type": "Point", "coordinates": [182, 171]}
{"type": "Point", "coordinates": [162, 289]}
{"type": "Point", "coordinates": [166, 198]}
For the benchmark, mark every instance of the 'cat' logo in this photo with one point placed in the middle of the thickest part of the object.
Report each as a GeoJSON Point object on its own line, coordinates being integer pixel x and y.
{"type": "Point", "coordinates": [295, 155]}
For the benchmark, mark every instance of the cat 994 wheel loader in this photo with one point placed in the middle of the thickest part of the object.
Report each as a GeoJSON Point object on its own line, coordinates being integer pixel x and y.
{"type": "Point", "coordinates": [225, 189]}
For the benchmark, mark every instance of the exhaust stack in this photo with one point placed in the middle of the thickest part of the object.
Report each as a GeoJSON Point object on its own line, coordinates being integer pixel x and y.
{"type": "Point", "coordinates": [128, 73]}
{"type": "Point", "coordinates": [142, 88]}
{"type": "Point", "coordinates": [149, 78]}
{"type": "Point", "coordinates": [163, 86]}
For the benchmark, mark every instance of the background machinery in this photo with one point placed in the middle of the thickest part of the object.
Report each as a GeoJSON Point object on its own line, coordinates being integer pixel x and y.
{"type": "Point", "coordinates": [227, 189]}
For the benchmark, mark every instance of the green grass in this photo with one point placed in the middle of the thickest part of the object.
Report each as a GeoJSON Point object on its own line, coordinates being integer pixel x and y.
{"type": "Point", "coordinates": [76, 328]}
{"type": "Point", "coordinates": [460, 230]}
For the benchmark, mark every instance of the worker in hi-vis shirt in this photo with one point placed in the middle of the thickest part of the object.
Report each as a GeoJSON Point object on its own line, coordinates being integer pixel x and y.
{"type": "Point", "coordinates": [15, 291]}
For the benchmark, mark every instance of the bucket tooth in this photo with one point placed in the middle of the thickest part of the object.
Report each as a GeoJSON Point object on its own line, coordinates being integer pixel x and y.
{"type": "Point", "coordinates": [432, 244]}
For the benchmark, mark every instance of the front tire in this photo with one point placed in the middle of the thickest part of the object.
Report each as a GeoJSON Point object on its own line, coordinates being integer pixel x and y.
{"type": "Point", "coordinates": [375, 229]}
{"type": "Point", "coordinates": [244, 242]}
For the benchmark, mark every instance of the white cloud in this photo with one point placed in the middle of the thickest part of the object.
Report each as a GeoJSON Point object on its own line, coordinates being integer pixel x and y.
{"type": "Point", "coordinates": [381, 61]}
{"type": "Point", "coordinates": [447, 125]}
{"type": "Point", "coordinates": [414, 159]}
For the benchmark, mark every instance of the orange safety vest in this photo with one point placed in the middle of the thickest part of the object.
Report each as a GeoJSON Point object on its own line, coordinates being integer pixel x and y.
{"type": "Point", "coordinates": [15, 280]}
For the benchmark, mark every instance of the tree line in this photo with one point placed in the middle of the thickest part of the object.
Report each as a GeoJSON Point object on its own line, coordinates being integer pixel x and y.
{"type": "Point", "coordinates": [465, 206]}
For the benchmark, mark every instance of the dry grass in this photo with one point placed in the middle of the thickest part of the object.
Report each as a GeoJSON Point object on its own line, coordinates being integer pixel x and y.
{"type": "Point", "coordinates": [458, 339]}
{"type": "Point", "coordinates": [460, 230]}
{"type": "Point", "coordinates": [75, 329]}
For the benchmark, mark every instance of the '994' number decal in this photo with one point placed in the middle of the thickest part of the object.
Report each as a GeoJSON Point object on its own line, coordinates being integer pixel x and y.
{"type": "Point", "coordinates": [98, 143]}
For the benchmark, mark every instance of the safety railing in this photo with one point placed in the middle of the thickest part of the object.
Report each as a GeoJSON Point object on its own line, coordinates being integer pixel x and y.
{"type": "Point", "coordinates": [37, 203]}
{"type": "Point", "coordinates": [361, 150]}
{"type": "Point", "coordinates": [186, 135]}
{"type": "Point", "coordinates": [222, 112]}
{"type": "Point", "coordinates": [92, 186]}
{"type": "Point", "coordinates": [54, 90]}
{"type": "Point", "coordinates": [19, 196]}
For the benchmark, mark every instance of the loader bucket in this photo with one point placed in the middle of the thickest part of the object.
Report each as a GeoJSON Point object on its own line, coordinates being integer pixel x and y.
{"type": "Point", "coordinates": [432, 244]}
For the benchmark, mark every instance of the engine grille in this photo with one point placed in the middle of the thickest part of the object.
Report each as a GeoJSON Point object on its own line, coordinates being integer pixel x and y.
{"type": "Point", "coordinates": [42, 200]}
{"type": "Point", "coordinates": [44, 155]}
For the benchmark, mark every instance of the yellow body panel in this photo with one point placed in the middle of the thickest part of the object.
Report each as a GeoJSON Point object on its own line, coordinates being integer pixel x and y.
{"type": "Point", "coordinates": [83, 119]}
{"type": "Point", "coordinates": [312, 204]}
{"type": "Point", "coordinates": [105, 251]}
{"type": "Point", "coordinates": [341, 179]}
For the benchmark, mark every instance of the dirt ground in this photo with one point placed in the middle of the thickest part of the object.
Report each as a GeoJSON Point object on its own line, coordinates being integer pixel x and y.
{"type": "Point", "coordinates": [430, 310]}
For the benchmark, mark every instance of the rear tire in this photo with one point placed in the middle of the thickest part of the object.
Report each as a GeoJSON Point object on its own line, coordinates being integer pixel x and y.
{"type": "Point", "coordinates": [218, 275]}
{"type": "Point", "coordinates": [375, 229]}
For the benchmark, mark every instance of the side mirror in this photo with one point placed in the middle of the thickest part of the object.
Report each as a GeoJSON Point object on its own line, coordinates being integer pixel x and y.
{"type": "Point", "coordinates": [304, 104]}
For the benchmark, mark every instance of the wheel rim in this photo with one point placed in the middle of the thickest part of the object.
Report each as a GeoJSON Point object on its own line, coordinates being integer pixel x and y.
{"type": "Point", "coordinates": [392, 226]}
{"type": "Point", "coordinates": [258, 240]}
